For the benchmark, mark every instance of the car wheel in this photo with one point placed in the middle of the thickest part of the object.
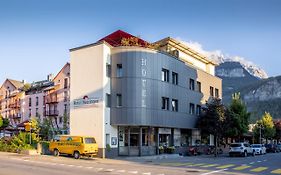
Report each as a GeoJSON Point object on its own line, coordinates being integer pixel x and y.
{"type": "Point", "coordinates": [245, 154]}
{"type": "Point", "coordinates": [76, 155]}
{"type": "Point", "coordinates": [56, 152]}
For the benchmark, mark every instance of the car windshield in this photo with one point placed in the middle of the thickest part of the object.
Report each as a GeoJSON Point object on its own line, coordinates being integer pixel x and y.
{"type": "Point", "coordinates": [256, 146]}
{"type": "Point", "coordinates": [90, 140]}
{"type": "Point", "coordinates": [235, 145]}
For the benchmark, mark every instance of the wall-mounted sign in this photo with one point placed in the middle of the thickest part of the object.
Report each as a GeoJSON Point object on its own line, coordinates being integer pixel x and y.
{"type": "Point", "coordinates": [113, 140]}
{"type": "Point", "coordinates": [85, 101]}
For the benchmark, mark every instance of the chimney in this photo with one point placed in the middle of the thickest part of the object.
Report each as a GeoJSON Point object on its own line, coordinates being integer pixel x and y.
{"type": "Point", "coordinates": [50, 77]}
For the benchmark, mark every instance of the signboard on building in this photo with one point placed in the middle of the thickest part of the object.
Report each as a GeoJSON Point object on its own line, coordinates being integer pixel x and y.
{"type": "Point", "coordinates": [85, 101]}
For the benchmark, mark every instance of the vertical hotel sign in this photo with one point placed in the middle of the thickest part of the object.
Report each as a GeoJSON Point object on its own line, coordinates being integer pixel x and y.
{"type": "Point", "coordinates": [143, 82]}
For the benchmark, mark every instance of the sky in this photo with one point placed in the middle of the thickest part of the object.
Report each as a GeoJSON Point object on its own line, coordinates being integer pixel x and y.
{"type": "Point", "coordinates": [35, 36]}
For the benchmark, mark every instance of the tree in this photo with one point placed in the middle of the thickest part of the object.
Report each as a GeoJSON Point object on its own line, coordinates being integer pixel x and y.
{"type": "Point", "coordinates": [267, 126]}
{"type": "Point", "coordinates": [239, 117]}
{"type": "Point", "coordinates": [212, 120]}
{"type": "Point", "coordinates": [46, 129]}
{"type": "Point", "coordinates": [65, 121]}
{"type": "Point", "coordinates": [1, 121]}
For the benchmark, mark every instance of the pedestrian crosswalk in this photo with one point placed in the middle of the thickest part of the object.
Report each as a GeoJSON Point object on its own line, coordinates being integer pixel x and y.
{"type": "Point", "coordinates": [230, 167]}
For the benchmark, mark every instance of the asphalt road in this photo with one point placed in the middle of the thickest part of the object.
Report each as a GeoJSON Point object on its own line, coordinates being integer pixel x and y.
{"type": "Point", "coordinates": [13, 164]}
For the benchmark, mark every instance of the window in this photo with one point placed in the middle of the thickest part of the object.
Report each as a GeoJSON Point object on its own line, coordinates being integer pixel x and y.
{"type": "Point", "coordinates": [165, 75]}
{"type": "Point", "coordinates": [37, 101]}
{"type": "Point", "coordinates": [108, 70]}
{"type": "Point", "coordinates": [29, 113]}
{"type": "Point", "coordinates": [198, 110]}
{"type": "Point", "coordinates": [211, 91]}
{"type": "Point", "coordinates": [175, 78]}
{"type": "Point", "coordinates": [191, 108]}
{"type": "Point", "coordinates": [108, 100]}
{"type": "Point", "coordinates": [191, 84]}
{"type": "Point", "coordinates": [107, 139]}
{"type": "Point", "coordinates": [29, 102]}
{"type": "Point", "coordinates": [65, 108]}
{"type": "Point", "coordinates": [174, 105]}
{"type": "Point", "coordinates": [119, 100]}
{"type": "Point", "coordinates": [44, 100]}
{"type": "Point", "coordinates": [65, 83]}
{"type": "Point", "coordinates": [216, 93]}
{"type": "Point", "coordinates": [37, 113]}
{"type": "Point", "coordinates": [60, 120]}
{"type": "Point", "coordinates": [165, 103]}
{"type": "Point", "coordinates": [119, 72]}
{"type": "Point", "coordinates": [199, 86]}
{"type": "Point", "coordinates": [65, 94]}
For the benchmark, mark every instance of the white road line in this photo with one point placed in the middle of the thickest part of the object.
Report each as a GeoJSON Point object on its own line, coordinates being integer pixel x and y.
{"type": "Point", "coordinates": [79, 166]}
{"type": "Point", "coordinates": [251, 163]}
{"type": "Point", "coordinates": [213, 172]}
{"type": "Point", "coordinates": [99, 169]}
{"type": "Point", "coordinates": [259, 161]}
{"type": "Point", "coordinates": [70, 165]}
{"type": "Point", "coordinates": [61, 164]}
{"type": "Point", "coordinates": [109, 170]}
{"type": "Point", "coordinates": [26, 160]}
{"type": "Point", "coordinates": [120, 171]}
{"type": "Point", "coordinates": [89, 167]}
{"type": "Point", "coordinates": [149, 173]}
{"type": "Point", "coordinates": [133, 172]}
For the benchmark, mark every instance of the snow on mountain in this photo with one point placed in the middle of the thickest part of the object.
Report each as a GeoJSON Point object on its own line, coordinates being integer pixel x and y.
{"type": "Point", "coordinates": [218, 57]}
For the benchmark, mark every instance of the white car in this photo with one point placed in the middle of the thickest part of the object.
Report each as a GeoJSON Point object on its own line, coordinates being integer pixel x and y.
{"type": "Point", "coordinates": [240, 149]}
{"type": "Point", "coordinates": [259, 148]}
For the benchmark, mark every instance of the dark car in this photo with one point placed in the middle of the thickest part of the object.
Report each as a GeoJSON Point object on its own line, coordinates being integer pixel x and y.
{"type": "Point", "coordinates": [272, 148]}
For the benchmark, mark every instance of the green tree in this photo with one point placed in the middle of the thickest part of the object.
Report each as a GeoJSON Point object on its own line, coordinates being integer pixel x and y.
{"type": "Point", "coordinates": [277, 125]}
{"type": "Point", "coordinates": [46, 129]}
{"type": "Point", "coordinates": [1, 121]}
{"type": "Point", "coordinates": [65, 121]}
{"type": "Point", "coordinates": [212, 120]}
{"type": "Point", "coordinates": [266, 125]}
{"type": "Point", "coordinates": [238, 117]}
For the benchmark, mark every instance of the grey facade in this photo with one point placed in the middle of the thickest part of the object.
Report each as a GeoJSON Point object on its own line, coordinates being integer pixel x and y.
{"type": "Point", "coordinates": [142, 90]}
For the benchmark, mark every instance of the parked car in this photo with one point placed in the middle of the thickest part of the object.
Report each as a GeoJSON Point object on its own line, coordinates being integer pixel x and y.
{"type": "Point", "coordinates": [258, 148]}
{"type": "Point", "coordinates": [272, 148]}
{"type": "Point", "coordinates": [74, 145]}
{"type": "Point", "coordinates": [279, 147]}
{"type": "Point", "coordinates": [240, 149]}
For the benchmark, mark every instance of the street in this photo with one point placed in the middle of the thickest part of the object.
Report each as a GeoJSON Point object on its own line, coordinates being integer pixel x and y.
{"type": "Point", "coordinates": [13, 164]}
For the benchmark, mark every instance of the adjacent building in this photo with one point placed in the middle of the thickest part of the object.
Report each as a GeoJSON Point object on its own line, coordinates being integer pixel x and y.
{"type": "Point", "coordinates": [134, 96]}
{"type": "Point", "coordinates": [46, 99]}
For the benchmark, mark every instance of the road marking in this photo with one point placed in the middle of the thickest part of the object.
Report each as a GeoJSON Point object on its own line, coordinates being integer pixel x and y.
{"type": "Point", "coordinates": [61, 164]}
{"type": "Point", "coordinates": [89, 167]}
{"type": "Point", "coordinates": [259, 169]}
{"type": "Point", "coordinates": [26, 160]}
{"type": "Point", "coordinates": [120, 171]}
{"type": "Point", "coordinates": [108, 170]}
{"type": "Point", "coordinates": [259, 161]}
{"type": "Point", "coordinates": [213, 172]}
{"type": "Point", "coordinates": [198, 164]}
{"type": "Point", "coordinates": [79, 166]}
{"type": "Point", "coordinates": [242, 167]}
{"type": "Point", "coordinates": [225, 166]}
{"type": "Point", "coordinates": [99, 169]}
{"type": "Point", "coordinates": [277, 171]}
{"type": "Point", "coordinates": [146, 173]}
{"type": "Point", "coordinates": [70, 165]}
{"type": "Point", "coordinates": [133, 172]}
{"type": "Point", "coordinates": [251, 163]}
{"type": "Point", "coordinates": [209, 165]}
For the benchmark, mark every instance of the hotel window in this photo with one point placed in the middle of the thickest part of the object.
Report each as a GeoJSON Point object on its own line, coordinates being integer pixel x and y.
{"type": "Point", "coordinates": [29, 113]}
{"type": "Point", "coordinates": [191, 108]}
{"type": "Point", "coordinates": [108, 100]}
{"type": "Point", "coordinates": [44, 98]}
{"type": "Point", "coordinates": [108, 70]}
{"type": "Point", "coordinates": [211, 91]}
{"type": "Point", "coordinates": [191, 84]}
{"type": "Point", "coordinates": [119, 100]}
{"type": "Point", "coordinates": [37, 101]}
{"type": "Point", "coordinates": [60, 120]}
{"type": "Point", "coordinates": [65, 109]}
{"type": "Point", "coordinates": [29, 102]}
{"type": "Point", "coordinates": [199, 86]}
{"type": "Point", "coordinates": [65, 83]}
{"type": "Point", "coordinates": [198, 110]}
{"type": "Point", "coordinates": [174, 105]}
{"type": "Point", "coordinates": [165, 103]}
{"type": "Point", "coordinates": [165, 75]}
{"type": "Point", "coordinates": [216, 93]}
{"type": "Point", "coordinates": [175, 78]}
{"type": "Point", "coordinates": [119, 72]}
{"type": "Point", "coordinates": [37, 113]}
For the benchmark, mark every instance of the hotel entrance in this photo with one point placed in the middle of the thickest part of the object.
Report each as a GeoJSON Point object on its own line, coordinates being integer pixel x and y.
{"type": "Point", "coordinates": [136, 141]}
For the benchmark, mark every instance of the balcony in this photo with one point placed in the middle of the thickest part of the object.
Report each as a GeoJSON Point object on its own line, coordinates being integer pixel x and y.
{"type": "Point", "coordinates": [15, 116]}
{"type": "Point", "coordinates": [51, 113]}
{"type": "Point", "coordinates": [51, 98]}
{"type": "Point", "coordinates": [14, 105]}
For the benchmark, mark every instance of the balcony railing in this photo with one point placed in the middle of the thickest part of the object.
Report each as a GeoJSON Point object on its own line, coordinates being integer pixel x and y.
{"type": "Point", "coordinates": [14, 105]}
{"type": "Point", "coordinates": [51, 113]}
{"type": "Point", "coordinates": [15, 116]}
{"type": "Point", "coordinates": [51, 98]}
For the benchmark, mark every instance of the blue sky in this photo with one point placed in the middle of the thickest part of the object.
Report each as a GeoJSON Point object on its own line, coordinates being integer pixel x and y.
{"type": "Point", "coordinates": [35, 36]}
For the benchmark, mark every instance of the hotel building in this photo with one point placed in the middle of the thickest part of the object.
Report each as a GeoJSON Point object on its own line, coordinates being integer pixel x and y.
{"type": "Point", "coordinates": [134, 96]}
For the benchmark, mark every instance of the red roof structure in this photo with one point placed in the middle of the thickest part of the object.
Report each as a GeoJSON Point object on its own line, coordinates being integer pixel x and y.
{"type": "Point", "coordinates": [115, 38]}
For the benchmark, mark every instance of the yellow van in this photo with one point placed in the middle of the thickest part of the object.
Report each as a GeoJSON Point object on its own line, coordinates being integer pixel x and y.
{"type": "Point", "coordinates": [74, 145]}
